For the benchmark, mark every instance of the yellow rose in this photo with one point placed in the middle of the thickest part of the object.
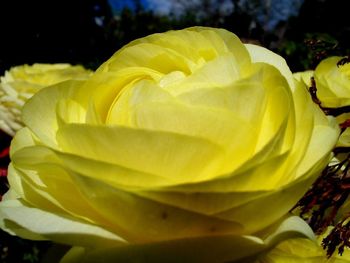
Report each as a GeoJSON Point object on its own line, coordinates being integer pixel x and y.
{"type": "Point", "coordinates": [21, 82]}
{"type": "Point", "coordinates": [301, 250]}
{"type": "Point", "coordinates": [333, 82]}
{"type": "Point", "coordinates": [181, 141]}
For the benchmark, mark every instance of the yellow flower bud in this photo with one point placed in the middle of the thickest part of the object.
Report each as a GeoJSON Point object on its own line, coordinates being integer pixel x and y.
{"type": "Point", "coordinates": [333, 82]}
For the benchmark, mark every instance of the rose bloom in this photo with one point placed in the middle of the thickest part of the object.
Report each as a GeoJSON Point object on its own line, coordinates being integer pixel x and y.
{"type": "Point", "coordinates": [21, 82]}
{"type": "Point", "coordinates": [185, 146]}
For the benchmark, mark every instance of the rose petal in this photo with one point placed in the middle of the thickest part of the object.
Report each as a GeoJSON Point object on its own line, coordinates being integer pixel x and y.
{"type": "Point", "coordinates": [33, 223]}
{"type": "Point", "coordinates": [200, 250]}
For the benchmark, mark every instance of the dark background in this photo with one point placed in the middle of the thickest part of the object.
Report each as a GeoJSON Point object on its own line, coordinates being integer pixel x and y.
{"type": "Point", "coordinates": [66, 30]}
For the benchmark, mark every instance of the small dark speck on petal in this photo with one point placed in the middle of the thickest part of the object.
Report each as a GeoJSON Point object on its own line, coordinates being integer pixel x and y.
{"type": "Point", "coordinates": [213, 229]}
{"type": "Point", "coordinates": [164, 215]}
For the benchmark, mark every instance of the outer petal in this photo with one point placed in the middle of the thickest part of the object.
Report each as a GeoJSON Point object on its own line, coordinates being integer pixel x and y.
{"type": "Point", "coordinates": [199, 250]}
{"type": "Point", "coordinates": [28, 222]}
{"type": "Point", "coordinates": [39, 113]}
{"type": "Point", "coordinates": [149, 221]}
{"type": "Point", "coordinates": [261, 54]}
{"type": "Point", "coordinates": [171, 155]}
{"type": "Point", "coordinates": [37, 176]}
{"type": "Point", "coordinates": [304, 76]}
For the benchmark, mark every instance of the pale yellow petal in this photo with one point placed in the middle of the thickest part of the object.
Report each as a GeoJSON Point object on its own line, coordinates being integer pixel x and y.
{"type": "Point", "coordinates": [134, 95]}
{"type": "Point", "coordinates": [221, 71]}
{"type": "Point", "coordinates": [261, 54]}
{"type": "Point", "coordinates": [29, 222]}
{"type": "Point", "coordinates": [219, 249]}
{"type": "Point", "coordinates": [230, 182]}
{"type": "Point", "coordinates": [35, 174]}
{"type": "Point", "coordinates": [244, 98]}
{"type": "Point", "coordinates": [32, 157]}
{"type": "Point", "coordinates": [280, 202]}
{"type": "Point", "coordinates": [305, 77]}
{"type": "Point", "coordinates": [23, 138]}
{"type": "Point", "coordinates": [39, 113]}
{"type": "Point", "coordinates": [149, 221]}
{"type": "Point", "coordinates": [177, 157]}
{"type": "Point", "coordinates": [106, 86]}
{"type": "Point", "coordinates": [151, 56]}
